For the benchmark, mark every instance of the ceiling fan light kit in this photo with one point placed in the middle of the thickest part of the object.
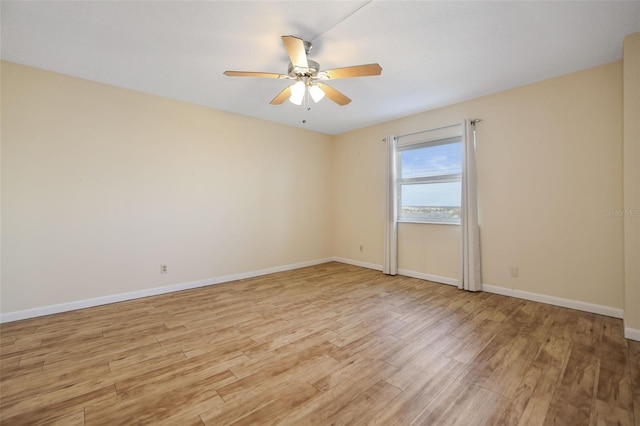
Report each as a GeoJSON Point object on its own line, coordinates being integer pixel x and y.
{"type": "Point", "coordinates": [308, 76]}
{"type": "Point", "coordinates": [316, 93]}
{"type": "Point", "coordinates": [297, 93]}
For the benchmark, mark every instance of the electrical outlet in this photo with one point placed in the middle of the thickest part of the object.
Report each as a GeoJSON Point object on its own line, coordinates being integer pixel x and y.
{"type": "Point", "coordinates": [361, 247]}
{"type": "Point", "coordinates": [514, 271]}
{"type": "Point", "coordinates": [163, 269]}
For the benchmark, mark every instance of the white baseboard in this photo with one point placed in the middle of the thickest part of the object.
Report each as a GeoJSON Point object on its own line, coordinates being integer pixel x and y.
{"type": "Point", "coordinates": [121, 297]}
{"type": "Point", "coordinates": [428, 277]}
{"type": "Point", "coordinates": [632, 333]}
{"type": "Point", "coordinates": [357, 263]}
{"type": "Point", "coordinates": [405, 272]}
{"type": "Point", "coordinates": [557, 301]}
{"type": "Point", "coordinates": [535, 297]}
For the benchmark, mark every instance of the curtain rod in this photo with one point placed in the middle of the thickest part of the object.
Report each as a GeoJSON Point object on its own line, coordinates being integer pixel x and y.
{"type": "Point", "coordinates": [430, 130]}
{"type": "Point", "coordinates": [473, 122]}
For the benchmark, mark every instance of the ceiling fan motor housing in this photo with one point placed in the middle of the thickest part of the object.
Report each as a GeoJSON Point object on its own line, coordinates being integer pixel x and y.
{"type": "Point", "coordinates": [311, 71]}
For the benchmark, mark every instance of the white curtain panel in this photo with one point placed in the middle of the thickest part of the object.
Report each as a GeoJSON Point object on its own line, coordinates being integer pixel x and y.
{"type": "Point", "coordinates": [470, 269]}
{"type": "Point", "coordinates": [390, 264]}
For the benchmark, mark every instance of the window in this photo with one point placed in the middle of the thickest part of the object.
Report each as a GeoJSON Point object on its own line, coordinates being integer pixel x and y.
{"type": "Point", "coordinates": [429, 181]}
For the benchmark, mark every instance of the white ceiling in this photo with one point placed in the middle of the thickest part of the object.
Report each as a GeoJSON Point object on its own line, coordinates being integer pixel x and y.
{"type": "Point", "coordinates": [433, 53]}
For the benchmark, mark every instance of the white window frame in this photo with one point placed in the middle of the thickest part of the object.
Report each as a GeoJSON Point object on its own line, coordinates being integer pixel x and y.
{"type": "Point", "coordinates": [399, 182]}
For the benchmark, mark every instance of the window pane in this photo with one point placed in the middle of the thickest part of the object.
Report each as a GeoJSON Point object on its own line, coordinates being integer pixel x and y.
{"type": "Point", "coordinates": [434, 160]}
{"type": "Point", "coordinates": [438, 202]}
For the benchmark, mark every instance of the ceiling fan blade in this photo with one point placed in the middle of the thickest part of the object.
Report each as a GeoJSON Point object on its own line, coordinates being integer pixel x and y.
{"type": "Point", "coordinates": [254, 74]}
{"type": "Point", "coordinates": [354, 71]}
{"type": "Point", "coordinates": [295, 50]}
{"type": "Point", "coordinates": [333, 94]}
{"type": "Point", "coordinates": [282, 96]}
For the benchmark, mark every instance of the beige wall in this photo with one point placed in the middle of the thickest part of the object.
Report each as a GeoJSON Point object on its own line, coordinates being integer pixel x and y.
{"type": "Point", "coordinates": [101, 185]}
{"type": "Point", "coordinates": [550, 167]}
{"type": "Point", "coordinates": [632, 182]}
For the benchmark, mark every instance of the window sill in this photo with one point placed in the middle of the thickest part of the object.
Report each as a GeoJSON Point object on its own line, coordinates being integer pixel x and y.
{"type": "Point", "coordinates": [428, 222]}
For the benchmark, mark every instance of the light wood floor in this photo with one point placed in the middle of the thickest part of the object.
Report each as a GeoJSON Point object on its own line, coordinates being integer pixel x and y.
{"type": "Point", "coordinates": [329, 344]}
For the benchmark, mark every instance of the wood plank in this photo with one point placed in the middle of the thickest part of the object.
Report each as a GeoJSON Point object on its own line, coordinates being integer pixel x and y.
{"type": "Point", "coordinates": [419, 385]}
{"type": "Point", "coordinates": [368, 405]}
{"type": "Point", "coordinates": [573, 396]}
{"type": "Point", "coordinates": [177, 405]}
{"type": "Point", "coordinates": [338, 391]}
{"type": "Point", "coordinates": [262, 407]}
{"type": "Point", "coordinates": [634, 367]}
{"type": "Point", "coordinates": [50, 408]}
{"type": "Point", "coordinates": [614, 378]}
{"type": "Point", "coordinates": [604, 413]}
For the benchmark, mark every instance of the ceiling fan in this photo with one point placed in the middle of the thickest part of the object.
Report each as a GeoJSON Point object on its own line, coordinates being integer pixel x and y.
{"type": "Point", "coordinates": [309, 79]}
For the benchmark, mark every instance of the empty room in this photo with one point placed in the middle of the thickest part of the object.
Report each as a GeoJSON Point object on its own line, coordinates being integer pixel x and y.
{"type": "Point", "coordinates": [320, 212]}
